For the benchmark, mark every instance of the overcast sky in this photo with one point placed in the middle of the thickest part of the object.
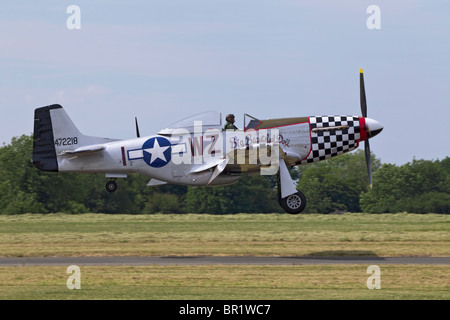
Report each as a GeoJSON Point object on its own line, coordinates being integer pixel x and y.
{"type": "Point", "coordinates": [165, 60]}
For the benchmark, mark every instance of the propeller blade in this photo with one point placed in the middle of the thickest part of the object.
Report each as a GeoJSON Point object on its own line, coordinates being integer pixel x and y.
{"type": "Point", "coordinates": [137, 128]}
{"type": "Point", "coordinates": [369, 169]}
{"type": "Point", "coordinates": [362, 92]}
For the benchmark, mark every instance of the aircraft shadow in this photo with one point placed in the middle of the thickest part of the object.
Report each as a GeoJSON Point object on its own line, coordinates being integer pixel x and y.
{"type": "Point", "coordinates": [342, 255]}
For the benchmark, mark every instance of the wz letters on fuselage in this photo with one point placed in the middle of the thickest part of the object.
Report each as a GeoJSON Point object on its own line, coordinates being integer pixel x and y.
{"type": "Point", "coordinates": [252, 147]}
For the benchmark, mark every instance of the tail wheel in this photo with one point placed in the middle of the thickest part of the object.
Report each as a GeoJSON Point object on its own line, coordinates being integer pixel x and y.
{"type": "Point", "coordinates": [294, 204]}
{"type": "Point", "coordinates": [111, 186]}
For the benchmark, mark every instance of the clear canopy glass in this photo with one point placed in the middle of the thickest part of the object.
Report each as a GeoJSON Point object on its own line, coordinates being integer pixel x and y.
{"type": "Point", "coordinates": [208, 120]}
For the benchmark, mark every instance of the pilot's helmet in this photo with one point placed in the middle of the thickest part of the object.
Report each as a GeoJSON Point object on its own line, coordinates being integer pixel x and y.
{"type": "Point", "coordinates": [230, 117]}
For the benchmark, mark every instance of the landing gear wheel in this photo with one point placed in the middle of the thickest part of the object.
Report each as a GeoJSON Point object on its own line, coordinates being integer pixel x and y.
{"type": "Point", "coordinates": [294, 204]}
{"type": "Point", "coordinates": [111, 186]}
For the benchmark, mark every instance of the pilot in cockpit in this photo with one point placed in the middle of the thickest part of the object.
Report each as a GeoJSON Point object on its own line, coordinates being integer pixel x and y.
{"type": "Point", "coordinates": [230, 123]}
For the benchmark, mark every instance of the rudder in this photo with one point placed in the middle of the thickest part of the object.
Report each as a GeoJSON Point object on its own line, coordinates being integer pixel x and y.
{"type": "Point", "coordinates": [44, 153]}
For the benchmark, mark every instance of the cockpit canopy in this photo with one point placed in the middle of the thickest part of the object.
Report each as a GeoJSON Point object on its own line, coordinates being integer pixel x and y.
{"type": "Point", "coordinates": [205, 120]}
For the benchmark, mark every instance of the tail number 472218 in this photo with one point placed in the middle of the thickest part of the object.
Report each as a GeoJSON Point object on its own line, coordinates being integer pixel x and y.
{"type": "Point", "coordinates": [68, 141]}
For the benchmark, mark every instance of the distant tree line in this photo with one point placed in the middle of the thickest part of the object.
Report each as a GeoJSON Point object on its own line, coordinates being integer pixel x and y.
{"type": "Point", "coordinates": [421, 186]}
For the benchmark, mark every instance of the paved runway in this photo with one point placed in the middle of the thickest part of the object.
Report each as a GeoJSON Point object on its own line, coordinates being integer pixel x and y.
{"type": "Point", "coordinates": [202, 260]}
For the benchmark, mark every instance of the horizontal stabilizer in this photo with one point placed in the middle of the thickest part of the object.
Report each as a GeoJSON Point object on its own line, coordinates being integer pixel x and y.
{"type": "Point", "coordinates": [83, 150]}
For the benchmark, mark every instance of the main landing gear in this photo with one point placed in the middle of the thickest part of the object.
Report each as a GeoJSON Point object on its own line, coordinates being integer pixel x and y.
{"type": "Point", "coordinates": [293, 204]}
{"type": "Point", "coordinates": [289, 198]}
{"type": "Point", "coordinates": [111, 186]}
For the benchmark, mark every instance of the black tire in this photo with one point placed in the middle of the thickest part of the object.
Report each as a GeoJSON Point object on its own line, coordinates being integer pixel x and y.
{"type": "Point", "coordinates": [294, 204]}
{"type": "Point", "coordinates": [111, 186]}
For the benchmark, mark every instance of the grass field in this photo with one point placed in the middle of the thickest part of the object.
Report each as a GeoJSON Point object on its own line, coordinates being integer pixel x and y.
{"type": "Point", "coordinates": [226, 282]}
{"type": "Point", "coordinates": [243, 234]}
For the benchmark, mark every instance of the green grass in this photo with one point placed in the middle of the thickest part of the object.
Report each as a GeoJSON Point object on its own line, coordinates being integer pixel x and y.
{"type": "Point", "coordinates": [243, 234]}
{"type": "Point", "coordinates": [226, 282]}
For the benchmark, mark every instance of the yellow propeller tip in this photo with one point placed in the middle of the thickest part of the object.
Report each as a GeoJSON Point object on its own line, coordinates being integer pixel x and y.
{"type": "Point", "coordinates": [360, 70]}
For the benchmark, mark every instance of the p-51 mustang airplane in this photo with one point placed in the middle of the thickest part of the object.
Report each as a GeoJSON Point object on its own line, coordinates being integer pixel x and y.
{"type": "Point", "coordinates": [197, 152]}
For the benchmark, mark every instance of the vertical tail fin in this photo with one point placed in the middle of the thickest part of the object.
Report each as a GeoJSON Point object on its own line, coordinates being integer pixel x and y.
{"type": "Point", "coordinates": [54, 134]}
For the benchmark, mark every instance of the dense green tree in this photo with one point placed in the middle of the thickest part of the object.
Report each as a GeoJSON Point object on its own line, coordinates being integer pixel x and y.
{"type": "Point", "coordinates": [250, 194]}
{"type": "Point", "coordinates": [419, 186]}
{"type": "Point", "coordinates": [335, 184]}
{"type": "Point", "coordinates": [163, 203]}
{"type": "Point", "coordinates": [18, 188]}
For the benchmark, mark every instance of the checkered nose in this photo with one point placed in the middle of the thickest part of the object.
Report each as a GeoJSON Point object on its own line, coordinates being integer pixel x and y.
{"type": "Point", "coordinates": [373, 127]}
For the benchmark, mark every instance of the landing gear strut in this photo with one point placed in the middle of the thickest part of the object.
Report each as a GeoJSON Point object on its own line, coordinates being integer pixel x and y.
{"type": "Point", "coordinates": [111, 186]}
{"type": "Point", "coordinates": [289, 198]}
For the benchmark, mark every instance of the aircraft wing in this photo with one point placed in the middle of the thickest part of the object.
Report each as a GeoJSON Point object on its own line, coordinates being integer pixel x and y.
{"type": "Point", "coordinates": [218, 169]}
{"type": "Point", "coordinates": [155, 182]}
{"type": "Point", "coordinates": [203, 167]}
